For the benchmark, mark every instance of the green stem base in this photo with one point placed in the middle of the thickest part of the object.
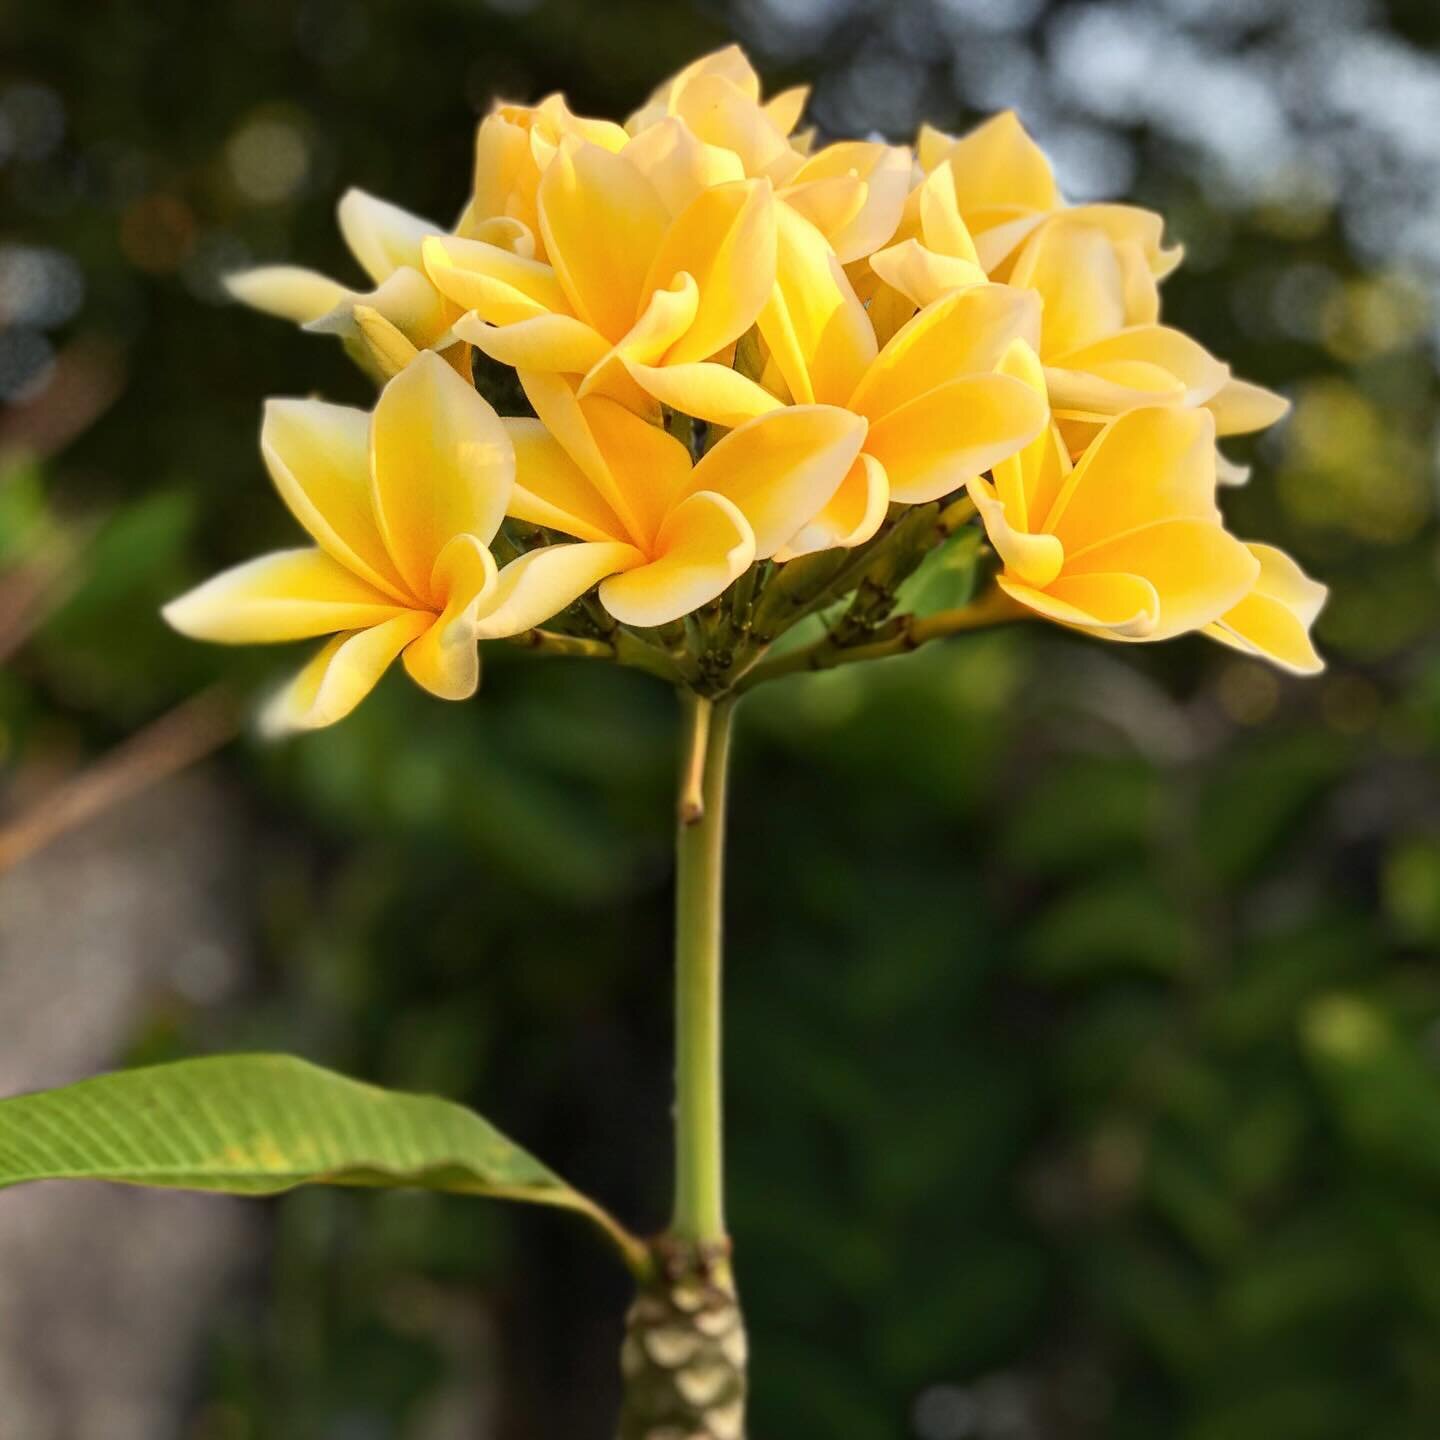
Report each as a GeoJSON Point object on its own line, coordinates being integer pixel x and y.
{"type": "Point", "coordinates": [684, 1356]}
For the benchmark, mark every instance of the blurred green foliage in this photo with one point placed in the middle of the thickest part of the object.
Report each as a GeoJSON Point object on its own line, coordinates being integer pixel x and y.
{"type": "Point", "coordinates": [1084, 1063]}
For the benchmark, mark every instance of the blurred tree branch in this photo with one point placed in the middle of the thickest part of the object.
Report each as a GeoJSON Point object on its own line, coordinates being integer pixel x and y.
{"type": "Point", "coordinates": [192, 730]}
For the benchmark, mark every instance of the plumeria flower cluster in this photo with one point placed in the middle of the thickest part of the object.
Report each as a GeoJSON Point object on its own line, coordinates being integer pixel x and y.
{"type": "Point", "coordinates": [763, 376]}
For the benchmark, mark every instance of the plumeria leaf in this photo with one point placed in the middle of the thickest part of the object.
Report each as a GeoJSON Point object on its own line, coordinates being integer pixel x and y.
{"type": "Point", "coordinates": [265, 1124]}
{"type": "Point", "coordinates": [945, 579]}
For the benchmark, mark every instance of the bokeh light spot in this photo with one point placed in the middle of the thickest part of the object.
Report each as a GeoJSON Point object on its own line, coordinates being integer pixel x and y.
{"type": "Point", "coordinates": [269, 159]}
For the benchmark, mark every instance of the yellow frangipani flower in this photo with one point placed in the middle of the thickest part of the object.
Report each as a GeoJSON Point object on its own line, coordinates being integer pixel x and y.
{"type": "Point", "coordinates": [1103, 347]}
{"type": "Point", "coordinates": [404, 313]}
{"type": "Point", "coordinates": [389, 324]}
{"type": "Point", "coordinates": [627, 284]}
{"type": "Point", "coordinates": [938, 411]}
{"type": "Point", "coordinates": [1273, 621]}
{"type": "Point", "coordinates": [514, 145]}
{"type": "Point", "coordinates": [1126, 545]}
{"type": "Point", "coordinates": [1005, 190]}
{"type": "Point", "coordinates": [660, 536]}
{"type": "Point", "coordinates": [401, 506]}
{"type": "Point", "coordinates": [718, 98]}
{"type": "Point", "coordinates": [831, 332]}
{"type": "Point", "coordinates": [853, 191]}
{"type": "Point", "coordinates": [1096, 267]}
{"type": "Point", "coordinates": [938, 406]}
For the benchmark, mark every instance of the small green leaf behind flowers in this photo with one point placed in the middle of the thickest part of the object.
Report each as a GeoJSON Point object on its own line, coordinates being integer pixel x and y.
{"type": "Point", "coordinates": [945, 579]}
{"type": "Point", "coordinates": [264, 1124]}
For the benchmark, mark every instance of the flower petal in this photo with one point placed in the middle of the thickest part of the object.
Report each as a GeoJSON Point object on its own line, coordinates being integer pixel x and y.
{"type": "Point", "coordinates": [1264, 628]}
{"type": "Point", "coordinates": [997, 164]}
{"type": "Point", "coordinates": [341, 675]}
{"type": "Point", "coordinates": [405, 298]}
{"type": "Point", "coordinates": [650, 468]}
{"type": "Point", "coordinates": [1075, 270]}
{"type": "Point", "coordinates": [1081, 395]}
{"type": "Point", "coordinates": [385, 347]}
{"type": "Point", "coordinates": [1228, 471]}
{"type": "Point", "coordinates": [941, 222]}
{"type": "Point", "coordinates": [1132, 365]}
{"type": "Point", "coordinates": [1240, 407]}
{"type": "Point", "coordinates": [725, 238]}
{"type": "Point", "coordinates": [557, 343]}
{"type": "Point", "coordinates": [1198, 570]}
{"type": "Point", "coordinates": [1282, 580]}
{"type": "Point", "coordinates": [286, 595]}
{"type": "Point", "coordinates": [1156, 463]}
{"type": "Point", "coordinates": [706, 391]}
{"type": "Point", "coordinates": [729, 61]}
{"type": "Point", "coordinates": [819, 336]}
{"type": "Point", "coordinates": [636, 468]}
{"type": "Point", "coordinates": [543, 582]}
{"type": "Point", "coordinates": [829, 204]}
{"type": "Point", "coordinates": [442, 466]}
{"type": "Point", "coordinates": [667, 315]}
{"type": "Point", "coordinates": [1112, 606]}
{"type": "Point", "coordinates": [704, 545]}
{"type": "Point", "coordinates": [504, 232]}
{"type": "Point", "coordinates": [500, 286]}
{"type": "Point", "coordinates": [1004, 233]}
{"type": "Point", "coordinates": [445, 659]}
{"type": "Point", "coordinates": [723, 113]}
{"type": "Point", "coordinates": [602, 221]}
{"type": "Point", "coordinates": [967, 332]}
{"type": "Point", "coordinates": [1029, 481]}
{"type": "Point", "coordinates": [382, 236]}
{"type": "Point", "coordinates": [1132, 226]}
{"type": "Point", "coordinates": [939, 440]}
{"type": "Point", "coordinates": [1034, 559]}
{"type": "Point", "coordinates": [288, 291]}
{"type": "Point", "coordinates": [851, 516]}
{"type": "Point", "coordinates": [932, 146]}
{"type": "Point", "coordinates": [882, 173]}
{"type": "Point", "coordinates": [1274, 619]}
{"type": "Point", "coordinates": [318, 456]}
{"type": "Point", "coordinates": [782, 468]}
{"type": "Point", "coordinates": [551, 490]}
{"type": "Point", "coordinates": [922, 275]}
{"type": "Point", "coordinates": [679, 165]}
{"type": "Point", "coordinates": [505, 176]}
{"type": "Point", "coordinates": [785, 109]}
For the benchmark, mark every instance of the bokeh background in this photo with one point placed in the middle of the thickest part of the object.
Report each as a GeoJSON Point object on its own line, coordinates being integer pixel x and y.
{"type": "Point", "coordinates": [1084, 1071]}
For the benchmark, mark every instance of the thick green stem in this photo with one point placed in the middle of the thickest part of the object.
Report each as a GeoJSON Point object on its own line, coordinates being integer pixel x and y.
{"type": "Point", "coordinates": [699, 1214]}
{"type": "Point", "coordinates": [684, 1358]}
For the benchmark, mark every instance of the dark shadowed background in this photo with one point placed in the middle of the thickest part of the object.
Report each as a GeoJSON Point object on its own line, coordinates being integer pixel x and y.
{"type": "Point", "coordinates": [1084, 1069]}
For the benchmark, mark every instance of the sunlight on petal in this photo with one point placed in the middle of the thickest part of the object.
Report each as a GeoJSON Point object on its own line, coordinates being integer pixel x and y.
{"type": "Point", "coordinates": [442, 465]}
{"type": "Point", "coordinates": [602, 221]}
{"type": "Point", "coordinates": [286, 595]}
{"type": "Point", "coordinates": [318, 456]}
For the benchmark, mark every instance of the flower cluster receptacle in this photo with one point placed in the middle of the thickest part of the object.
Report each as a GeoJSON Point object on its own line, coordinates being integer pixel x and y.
{"type": "Point", "coordinates": [758, 370]}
